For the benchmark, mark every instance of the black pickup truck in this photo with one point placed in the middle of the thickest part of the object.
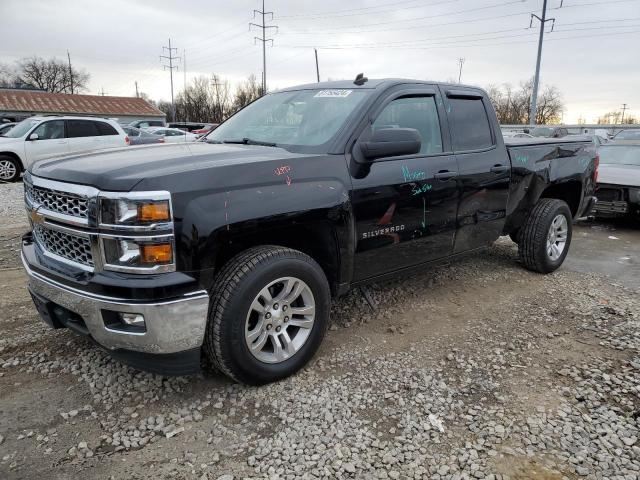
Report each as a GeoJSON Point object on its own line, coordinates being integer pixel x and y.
{"type": "Point", "coordinates": [234, 246]}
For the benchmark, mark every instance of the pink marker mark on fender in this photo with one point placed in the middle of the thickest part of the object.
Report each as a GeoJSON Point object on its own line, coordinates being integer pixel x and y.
{"type": "Point", "coordinates": [282, 170]}
{"type": "Point", "coordinates": [288, 181]}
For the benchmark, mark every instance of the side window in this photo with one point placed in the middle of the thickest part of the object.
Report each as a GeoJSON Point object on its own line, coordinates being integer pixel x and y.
{"type": "Point", "coordinates": [50, 130]}
{"type": "Point", "coordinates": [471, 129]}
{"type": "Point", "coordinates": [82, 128]}
{"type": "Point", "coordinates": [106, 129]}
{"type": "Point", "coordinates": [414, 112]}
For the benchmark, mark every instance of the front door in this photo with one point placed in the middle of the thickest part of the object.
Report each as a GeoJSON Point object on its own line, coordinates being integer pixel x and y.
{"type": "Point", "coordinates": [51, 141]}
{"type": "Point", "coordinates": [405, 207]}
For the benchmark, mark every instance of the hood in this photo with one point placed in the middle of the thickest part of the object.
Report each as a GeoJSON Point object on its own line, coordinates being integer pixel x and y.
{"type": "Point", "coordinates": [121, 169]}
{"type": "Point", "coordinates": [615, 174]}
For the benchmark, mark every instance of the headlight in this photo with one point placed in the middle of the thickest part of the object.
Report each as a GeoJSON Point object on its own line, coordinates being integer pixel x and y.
{"type": "Point", "coordinates": [134, 212]}
{"type": "Point", "coordinates": [137, 233]}
{"type": "Point", "coordinates": [136, 254]}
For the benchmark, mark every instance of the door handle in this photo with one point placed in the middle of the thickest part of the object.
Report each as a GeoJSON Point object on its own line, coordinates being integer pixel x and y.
{"type": "Point", "coordinates": [445, 175]}
{"type": "Point", "coordinates": [499, 168]}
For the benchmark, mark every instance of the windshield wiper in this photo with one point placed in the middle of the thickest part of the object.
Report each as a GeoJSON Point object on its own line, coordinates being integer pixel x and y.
{"type": "Point", "coordinates": [248, 141]}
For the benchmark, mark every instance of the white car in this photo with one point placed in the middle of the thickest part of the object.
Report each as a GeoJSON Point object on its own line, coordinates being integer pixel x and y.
{"type": "Point", "coordinates": [37, 138]}
{"type": "Point", "coordinates": [173, 135]}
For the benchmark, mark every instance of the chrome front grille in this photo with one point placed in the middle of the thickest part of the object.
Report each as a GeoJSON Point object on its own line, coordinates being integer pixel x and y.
{"type": "Point", "coordinates": [60, 202]}
{"type": "Point", "coordinates": [68, 246]}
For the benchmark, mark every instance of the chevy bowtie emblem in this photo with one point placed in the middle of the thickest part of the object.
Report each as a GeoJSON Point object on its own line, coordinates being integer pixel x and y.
{"type": "Point", "coordinates": [35, 217]}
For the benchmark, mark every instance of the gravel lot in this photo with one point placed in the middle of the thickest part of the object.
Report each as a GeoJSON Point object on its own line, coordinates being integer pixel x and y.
{"type": "Point", "coordinates": [475, 369]}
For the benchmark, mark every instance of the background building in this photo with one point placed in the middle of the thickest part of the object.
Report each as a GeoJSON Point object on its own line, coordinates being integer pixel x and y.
{"type": "Point", "coordinates": [18, 104]}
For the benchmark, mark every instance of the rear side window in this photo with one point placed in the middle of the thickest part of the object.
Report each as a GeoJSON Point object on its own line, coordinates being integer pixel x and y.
{"type": "Point", "coordinates": [82, 128]}
{"type": "Point", "coordinates": [106, 129]}
{"type": "Point", "coordinates": [471, 129]}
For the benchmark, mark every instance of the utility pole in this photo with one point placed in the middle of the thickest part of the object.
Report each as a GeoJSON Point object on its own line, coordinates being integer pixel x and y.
{"type": "Point", "coordinates": [70, 71]}
{"type": "Point", "coordinates": [102, 92]}
{"type": "Point", "coordinates": [264, 41]}
{"type": "Point", "coordinates": [317, 68]}
{"type": "Point", "coordinates": [137, 95]}
{"type": "Point", "coordinates": [624, 109]}
{"type": "Point", "coordinates": [460, 62]}
{"type": "Point", "coordinates": [171, 66]}
{"type": "Point", "coordinates": [536, 81]}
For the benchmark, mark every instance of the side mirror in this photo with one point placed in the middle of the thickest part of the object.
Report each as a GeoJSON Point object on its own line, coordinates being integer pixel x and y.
{"type": "Point", "coordinates": [392, 142]}
{"type": "Point", "coordinates": [34, 136]}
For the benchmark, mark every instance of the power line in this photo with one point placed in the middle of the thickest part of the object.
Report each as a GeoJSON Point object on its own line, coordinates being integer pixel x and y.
{"type": "Point", "coordinates": [446, 14]}
{"type": "Point", "coordinates": [171, 66]}
{"type": "Point", "coordinates": [465, 39]}
{"type": "Point", "coordinates": [330, 12]}
{"type": "Point", "coordinates": [321, 16]}
{"type": "Point", "coordinates": [264, 41]}
{"type": "Point", "coordinates": [403, 26]}
{"type": "Point", "coordinates": [465, 43]}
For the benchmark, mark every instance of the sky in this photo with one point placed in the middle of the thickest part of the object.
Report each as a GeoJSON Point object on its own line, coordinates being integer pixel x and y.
{"type": "Point", "coordinates": [592, 55]}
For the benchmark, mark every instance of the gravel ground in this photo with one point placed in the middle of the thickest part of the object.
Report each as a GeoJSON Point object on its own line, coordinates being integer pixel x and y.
{"type": "Point", "coordinates": [475, 369]}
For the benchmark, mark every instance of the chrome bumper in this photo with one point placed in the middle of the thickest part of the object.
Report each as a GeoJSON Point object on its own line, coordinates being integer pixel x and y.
{"type": "Point", "coordinates": [171, 326]}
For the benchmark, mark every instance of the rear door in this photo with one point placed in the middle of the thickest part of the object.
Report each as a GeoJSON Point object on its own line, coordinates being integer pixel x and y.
{"type": "Point", "coordinates": [51, 141]}
{"type": "Point", "coordinates": [405, 207]}
{"type": "Point", "coordinates": [109, 135]}
{"type": "Point", "coordinates": [83, 135]}
{"type": "Point", "coordinates": [484, 168]}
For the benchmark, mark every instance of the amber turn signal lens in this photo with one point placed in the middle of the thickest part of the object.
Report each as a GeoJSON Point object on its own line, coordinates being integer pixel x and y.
{"type": "Point", "coordinates": [153, 212]}
{"type": "Point", "coordinates": [156, 253]}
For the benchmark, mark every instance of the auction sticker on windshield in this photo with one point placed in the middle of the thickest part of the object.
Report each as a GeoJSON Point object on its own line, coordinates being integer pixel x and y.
{"type": "Point", "coordinates": [333, 93]}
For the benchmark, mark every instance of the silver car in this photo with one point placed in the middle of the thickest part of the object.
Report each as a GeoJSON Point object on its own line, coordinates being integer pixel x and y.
{"type": "Point", "coordinates": [618, 190]}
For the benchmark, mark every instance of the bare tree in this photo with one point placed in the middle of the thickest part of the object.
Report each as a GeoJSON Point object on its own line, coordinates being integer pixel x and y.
{"type": "Point", "coordinates": [247, 92]}
{"type": "Point", "coordinates": [7, 76]}
{"type": "Point", "coordinates": [51, 75]}
{"type": "Point", "coordinates": [513, 106]}
{"type": "Point", "coordinates": [614, 118]}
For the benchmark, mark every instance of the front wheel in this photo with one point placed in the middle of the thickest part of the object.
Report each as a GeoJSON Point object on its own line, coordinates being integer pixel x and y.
{"type": "Point", "coordinates": [545, 237]}
{"type": "Point", "coordinates": [9, 169]}
{"type": "Point", "coordinates": [269, 314]}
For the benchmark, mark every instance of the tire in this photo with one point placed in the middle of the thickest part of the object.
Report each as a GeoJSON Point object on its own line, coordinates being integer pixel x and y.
{"type": "Point", "coordinates": [10, 169]}
{"type": "Point", "coordinates": [233, 319]}
{"type": "Point", "coordinates": [534, 246]}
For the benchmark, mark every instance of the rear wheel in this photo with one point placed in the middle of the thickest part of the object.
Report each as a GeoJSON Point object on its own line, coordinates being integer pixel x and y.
{"type": "Point", "coordinates": [545, 238]}
{"type": "Point", "coordinates": [9, 169]}
{"type": "Point", "coordinates": [268, 316]}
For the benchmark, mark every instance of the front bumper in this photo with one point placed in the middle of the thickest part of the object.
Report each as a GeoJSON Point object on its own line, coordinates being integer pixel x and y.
{"type": "Point", "coordinates": [171, 326]}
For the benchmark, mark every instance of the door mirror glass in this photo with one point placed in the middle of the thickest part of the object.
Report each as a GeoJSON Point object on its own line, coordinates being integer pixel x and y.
{"type": "Point", "coordinates": [34, 136]}
{"type": "Point", "coordinates": [392, 142]}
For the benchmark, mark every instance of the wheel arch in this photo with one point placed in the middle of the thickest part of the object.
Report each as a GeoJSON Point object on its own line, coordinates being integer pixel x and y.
{"type": "Point", "coordinates": [318, 240]}
{"type": "Point", "coordinates": [14, 156]}
{"type": "Point", "coordinates": [570, 192]}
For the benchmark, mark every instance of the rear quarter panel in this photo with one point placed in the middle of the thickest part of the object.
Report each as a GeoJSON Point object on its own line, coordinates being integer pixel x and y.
{"type": "Point", "coordinates": [536, 168]}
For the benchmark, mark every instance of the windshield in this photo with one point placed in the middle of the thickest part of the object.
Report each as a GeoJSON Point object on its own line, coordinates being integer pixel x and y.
{"type": "Point", "coordinates": [542, 132]}
{"type": "Point", "coordinates": [301, 118]}
{"type": "Point", "coordinates": [21, 128]}
{"type": "Point", "coordinates": [619, 154]}
{"type": "Point", "coordinates": [628, 135]}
